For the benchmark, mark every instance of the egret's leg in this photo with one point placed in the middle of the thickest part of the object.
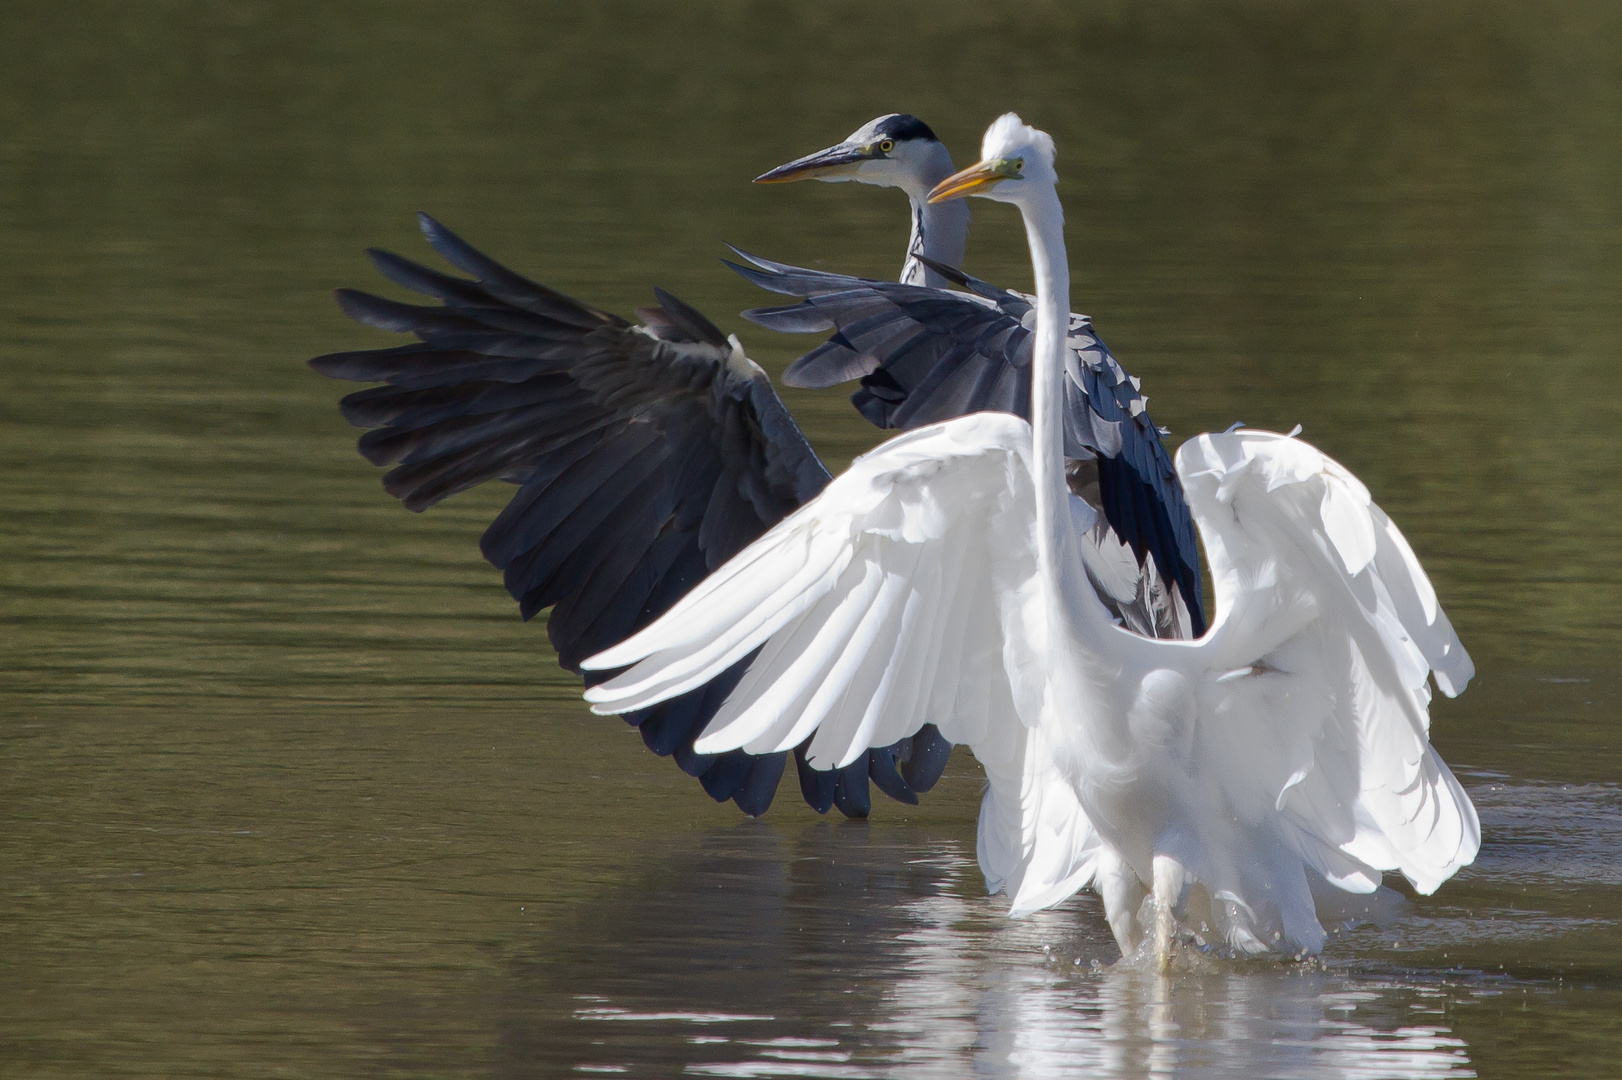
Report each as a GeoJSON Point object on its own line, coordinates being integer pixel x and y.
{"type": "Point", "coordinates": [1122, 894]}
{"type": "Point", "coordinates": [1170, 880]}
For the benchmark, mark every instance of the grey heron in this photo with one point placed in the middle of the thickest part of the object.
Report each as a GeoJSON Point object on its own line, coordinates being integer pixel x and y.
{"type": "Point", "coordinates": [925, 353]}
{"type": "Point", "coordinates": [1238, 787]}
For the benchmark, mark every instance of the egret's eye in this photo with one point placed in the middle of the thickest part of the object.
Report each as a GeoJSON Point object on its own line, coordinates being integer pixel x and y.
{"type": "Point", "coordinates": [886, 145]}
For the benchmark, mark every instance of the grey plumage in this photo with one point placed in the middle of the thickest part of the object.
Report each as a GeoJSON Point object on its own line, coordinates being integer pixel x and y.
{"type": "Point", "coordinates": [923, 355]}
{"type": "Point", "coordinates": [645, 455]}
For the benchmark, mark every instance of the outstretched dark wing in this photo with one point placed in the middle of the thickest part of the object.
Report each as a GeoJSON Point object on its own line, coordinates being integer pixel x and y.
{"type": "Point", "coordinates": [645, 456]}
{"type": "Point", "coordinates": [924, 355]}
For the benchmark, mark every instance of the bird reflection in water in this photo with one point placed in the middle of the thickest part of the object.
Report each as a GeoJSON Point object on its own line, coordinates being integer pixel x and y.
{"type": "Point", "coordinates": [859, 951]}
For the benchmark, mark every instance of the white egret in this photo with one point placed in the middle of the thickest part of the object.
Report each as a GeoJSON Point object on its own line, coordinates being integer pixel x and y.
{"type": "Point", "coordinates": [1235, 782]}
{"type": "Point", "coordinates": [924, 353]}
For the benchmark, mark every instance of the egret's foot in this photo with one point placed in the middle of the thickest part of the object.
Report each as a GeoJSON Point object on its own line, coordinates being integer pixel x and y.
{"type": "Point", "coordinates": [1165, 936]}
{"type": "Point", "coordinates": [1170, 883]}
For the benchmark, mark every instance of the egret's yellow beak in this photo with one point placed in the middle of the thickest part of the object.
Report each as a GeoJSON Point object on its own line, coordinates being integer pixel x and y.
{"type": "Point", "coordinates": [976, 178]}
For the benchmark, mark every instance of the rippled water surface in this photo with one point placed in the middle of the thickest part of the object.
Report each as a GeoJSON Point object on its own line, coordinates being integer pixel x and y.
{"type": "Point", "coordinates": [289, 790]}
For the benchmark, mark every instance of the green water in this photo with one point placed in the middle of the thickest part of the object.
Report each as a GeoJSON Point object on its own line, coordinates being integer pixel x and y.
{"type": "Point", "coordinates": [288, 790]}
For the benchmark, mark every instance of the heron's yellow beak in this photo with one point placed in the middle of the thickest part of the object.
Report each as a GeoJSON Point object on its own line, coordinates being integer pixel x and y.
{"type": "Point", "coordinates": [976, 178]}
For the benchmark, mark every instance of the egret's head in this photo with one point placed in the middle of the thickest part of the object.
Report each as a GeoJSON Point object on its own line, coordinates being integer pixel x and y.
{"type": "Point", "coordinates": [897, 150]}
{"type": "Point", "coordinates": [1015, 159]}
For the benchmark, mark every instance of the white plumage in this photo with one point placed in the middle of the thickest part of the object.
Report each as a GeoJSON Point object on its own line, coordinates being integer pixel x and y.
{"type": "Point", "coordinates": [1281, 756]}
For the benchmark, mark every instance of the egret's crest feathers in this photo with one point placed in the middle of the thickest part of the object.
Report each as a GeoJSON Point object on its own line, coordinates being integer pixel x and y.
{"type": "Point", "coordinates": [1008, 136]}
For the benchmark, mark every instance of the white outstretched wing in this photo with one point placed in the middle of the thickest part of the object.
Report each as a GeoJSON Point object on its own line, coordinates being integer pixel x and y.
{"type": "Point", "coordinates": [874, 606]}
{"type": "Point", "coordinates": [1315, 709]}
{"type": "Point", "coordinates": [895, 598]}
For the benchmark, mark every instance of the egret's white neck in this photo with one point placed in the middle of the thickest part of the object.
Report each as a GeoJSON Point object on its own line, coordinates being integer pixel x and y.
{"type": "Point", "coordinates": [1083, 658]}
{"type": "Point", "coordinates": [940, 231]}
{"type": "Point", "coordinates": [1044, 228]}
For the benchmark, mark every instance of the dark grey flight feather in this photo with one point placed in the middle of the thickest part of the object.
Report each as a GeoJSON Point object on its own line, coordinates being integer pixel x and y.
{"type": "Point", "coordinates": [644, 455]}
{"type": "Point", "coordinates": [924, 355]}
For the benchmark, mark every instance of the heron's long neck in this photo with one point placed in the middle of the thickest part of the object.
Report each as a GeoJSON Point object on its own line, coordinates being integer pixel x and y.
{"type": "Point", "coordinates": [940, 231]}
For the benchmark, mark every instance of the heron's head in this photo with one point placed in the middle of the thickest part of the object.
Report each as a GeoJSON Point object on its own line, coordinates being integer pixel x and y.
{"type": "Point", "coordinates": [1015, 161]}
{"type": "Point", "coordinates": [897, 150]}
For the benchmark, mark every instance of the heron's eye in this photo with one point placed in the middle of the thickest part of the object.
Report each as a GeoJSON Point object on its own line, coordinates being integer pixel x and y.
{"type": "Point", "coordinates": [886, 145]}
{"type": "Point", "coordinates": [1019, 164]}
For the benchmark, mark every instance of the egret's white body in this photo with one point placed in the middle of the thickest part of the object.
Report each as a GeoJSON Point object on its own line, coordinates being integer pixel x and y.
{"type": "Point", "coordinates": [1231, 778]}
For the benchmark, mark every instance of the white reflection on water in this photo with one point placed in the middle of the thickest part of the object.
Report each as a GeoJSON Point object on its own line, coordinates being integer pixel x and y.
{"type": "Point", "coordinates": [681, 1017]}
{"type": "Point", "coordinates": [855, 952]}
{"type": "Point", "coordinates": [1039, 1021]}
{"type": "Point", "coordinates": [1135, 1024]}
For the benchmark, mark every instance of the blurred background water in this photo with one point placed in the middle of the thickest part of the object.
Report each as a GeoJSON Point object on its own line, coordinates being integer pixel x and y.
{"type": "Point", "coordinates": [288, 789]}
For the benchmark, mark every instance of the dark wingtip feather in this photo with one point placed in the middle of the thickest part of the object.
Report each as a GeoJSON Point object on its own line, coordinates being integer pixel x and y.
{"type": "Point", "coordinates": [755, 796]}
{"type": "Point", "coordinates": [966, 281]}
{"type": "Point", "coordinates": [829, 364]}
{"type": "Point", "coordinates": [950, 273]}
{"type": "Point", "coordinates": [511, 287]}
{"type": "Point", "coordinates": [722, 780]}
{"type": "Point", "coordinates": [456, 251]}
{"type": "Point", "coordinates": [375, 311]}
{"type": "Point", "coordinates": [881, 769]}
{"type": "Point", "coordinates": [419, 278]}
{"type": "Point", "coordinates": [764, 264]}
{"type": "Point", "coordinates": [689, 319]}
{"type": "Point", "coordinates": [816, 785]}
{"type": "Point", "coordinates": [926, 763]}
{"type": "Point", "coordinates": [332, 365]}
{"type": "Point", "coordinates": [770, 280]}
{"type": "Point", "coordinates": [801, 318]}
{"type": "Point", "coordinates": [429, 226]}
{"type": "Point", "coordinates": [850, 789]}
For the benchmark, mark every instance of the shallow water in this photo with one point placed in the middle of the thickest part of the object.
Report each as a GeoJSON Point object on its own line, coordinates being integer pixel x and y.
{"type": "Point", "coordinates": [288, 788]}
